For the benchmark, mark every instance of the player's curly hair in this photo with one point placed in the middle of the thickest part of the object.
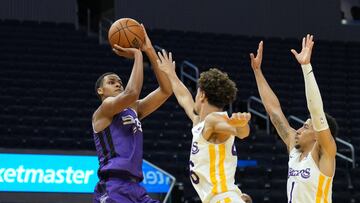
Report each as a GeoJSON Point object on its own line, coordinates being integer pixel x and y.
{"type": "Point", "coordinates": [219, 89]}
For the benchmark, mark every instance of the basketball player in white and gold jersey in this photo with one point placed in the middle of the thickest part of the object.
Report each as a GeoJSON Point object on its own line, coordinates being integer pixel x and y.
{"type": "Point", "coordinates": [311, 148]}
{"type": "Point", "coordinates": [213, 157]}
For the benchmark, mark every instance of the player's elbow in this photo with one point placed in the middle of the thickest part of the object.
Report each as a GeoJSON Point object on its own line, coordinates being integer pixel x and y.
{"type": "Point", "coordinates": [131, 94]}
{"type": "Point", "coordinates": [166, 91]}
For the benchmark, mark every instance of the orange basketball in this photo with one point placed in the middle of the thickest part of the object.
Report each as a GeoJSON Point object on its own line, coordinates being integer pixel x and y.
{"type": "Point", "coordinates": [126, 32]}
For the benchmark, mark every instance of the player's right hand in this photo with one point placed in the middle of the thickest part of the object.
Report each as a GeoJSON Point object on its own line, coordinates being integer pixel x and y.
{"type": "Point", "coordinates": [256, 60]}
{"type": "Point", "coordinates": [239, 119]}
{"type": "Point", "coordinates": [147, 43]}
{"type": "Point", "coordinates": [304, 56]}
{"type": "Point", "coordinates": [165, 62]}
{"type": "Point", "coordinates": [126, 52]}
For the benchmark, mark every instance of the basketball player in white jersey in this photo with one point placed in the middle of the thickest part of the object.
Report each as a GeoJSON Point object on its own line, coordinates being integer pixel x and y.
{"type": "Point", "coordinates": [311, 148]}
{"type": "Point", "coordinates": [213, 157]}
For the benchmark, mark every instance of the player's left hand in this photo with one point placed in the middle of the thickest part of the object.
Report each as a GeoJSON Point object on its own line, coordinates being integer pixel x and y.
{"type": "Point", "coordinates": [239, 119]}
{"type": "Point", "coordinates": [305, 55]}
{"type": "Point", "coordinates": [147, 43]}
{"type": "Point", "coordinates": [256, 60]}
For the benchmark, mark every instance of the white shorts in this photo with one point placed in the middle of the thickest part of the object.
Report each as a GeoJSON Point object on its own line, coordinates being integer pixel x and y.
{"type": "Point", "coordinates": [227, 197]}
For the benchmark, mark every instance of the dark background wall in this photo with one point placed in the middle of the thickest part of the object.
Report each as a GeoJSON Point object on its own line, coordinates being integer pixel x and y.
{"type": "Point", "coordinates": [281, 18]}
{"type": "Point", "coordinates": [60, 11]}
{"type": "Point", "coordinates": [267, 18]}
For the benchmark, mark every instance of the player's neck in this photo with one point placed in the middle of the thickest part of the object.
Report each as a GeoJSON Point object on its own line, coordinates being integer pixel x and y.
{"type": "Point", "coordinates": [306, 151]}
{"type": "Point", "coordinates": [207, 109]}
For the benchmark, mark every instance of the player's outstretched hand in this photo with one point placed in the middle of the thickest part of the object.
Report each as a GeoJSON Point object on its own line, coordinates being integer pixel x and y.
{"type": "Point", "coordinates": [239, 119]}
{"type": "Point", "coordinates": [147, 43]}
{"type": "Point", "coordinates": [126, 52]}
{"type": "Point", "coordinates": [304, 56]}
{"type": "Point", "coordinates": [256, 60]}
{"type": "Point", "coordinates": [165, 62]}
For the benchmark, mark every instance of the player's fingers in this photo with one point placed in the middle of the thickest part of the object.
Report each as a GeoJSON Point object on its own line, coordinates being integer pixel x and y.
{"type": "Point", "coordinates": [245, 115]}
{"type": "Point", "coordinates": [308, 40]}
{"type": "Point", "coordinates": [174, 64]}
{"type": "Point", "coordinates": [261, 47]}
{"type": "Point", "coordinates": [170, 56]}
{"type": "Point", "coordinates": [142, 25]}
{"type": "Point", "coordinates": [164, 54]}
{"type": "Point", "coordinates": [117, 47]}
{"type": "Point", "coordinates": [303, 42]}
{"type": "Point", "coordinates": [161, 56]}
{"type": "Point", "coordinates": [239, 116]}
{"type": "Point", "coordinates": [294, 52]}
{"type": "Point", "coordinates": [252, 56]}
{"type": "Point", "coordinates": [248, 116]}
{"type": "Point", "coordinates": [311, 43]}
{"type": "Point", "coordinates": [118, 52]}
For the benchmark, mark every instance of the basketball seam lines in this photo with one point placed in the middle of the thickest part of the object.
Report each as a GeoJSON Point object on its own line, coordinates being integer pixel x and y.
{"type": "Point", "coordinates": [134, 33]}
{"type": "Point", "coordinates": [125, 33]}
{"type": "Point", "coordinates": [122, 29]}
{"type": "Point", "coordinates": [119, 35]}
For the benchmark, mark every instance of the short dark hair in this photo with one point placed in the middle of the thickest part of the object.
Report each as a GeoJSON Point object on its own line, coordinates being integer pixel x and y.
{"type": "Point", "coordinates": [333, 125]}
{"type": "Point", "coordinates": [100, 80]}
{"type": "Point", "coordinates": [219, 89]}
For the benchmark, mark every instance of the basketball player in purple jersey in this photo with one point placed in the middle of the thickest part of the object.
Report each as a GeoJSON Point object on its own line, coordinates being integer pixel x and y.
{"type": "Point", "coordinates": [117, 129]}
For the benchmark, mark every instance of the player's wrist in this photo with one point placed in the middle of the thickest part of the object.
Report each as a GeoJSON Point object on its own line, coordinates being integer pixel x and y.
{"type": "Point", "coordinates": [148, 49]}
{"type": "Point", "coordinates": [306, 68]}
{"type": "Point", "coordinates": [138, 54]}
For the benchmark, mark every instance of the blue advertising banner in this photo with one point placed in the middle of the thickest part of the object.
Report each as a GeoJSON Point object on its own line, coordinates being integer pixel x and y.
{"type": "Point", "coordinates": [65, 173]}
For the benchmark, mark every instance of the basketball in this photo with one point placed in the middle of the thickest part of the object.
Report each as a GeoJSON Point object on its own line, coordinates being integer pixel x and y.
{"type": "Point", "coordinates": [126, 32]}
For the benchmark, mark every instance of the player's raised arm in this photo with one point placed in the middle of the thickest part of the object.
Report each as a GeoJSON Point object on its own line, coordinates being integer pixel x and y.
{"type": "Point", "coordinates": [157, 97]}
{"type": "Point", "coordinates": [314, 100]}
{"type": "Point", "coordinates": [237, 125]}
{"type": "Point", "coordinates": [271, 102]}
{"type": "Point", "coordinates": [182, 94]}
{"type": "Point", "coordinates": [113, 105]}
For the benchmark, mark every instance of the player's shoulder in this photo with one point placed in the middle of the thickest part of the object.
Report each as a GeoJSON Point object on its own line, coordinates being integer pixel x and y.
{"type": "Point", "coordinates": [216, 116]}
{"type": "Point", "coordinates": [103, 108]}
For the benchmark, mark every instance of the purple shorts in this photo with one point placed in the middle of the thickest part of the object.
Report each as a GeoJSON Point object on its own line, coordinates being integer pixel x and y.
{"type": "Point", "coordinates": [120, 191]}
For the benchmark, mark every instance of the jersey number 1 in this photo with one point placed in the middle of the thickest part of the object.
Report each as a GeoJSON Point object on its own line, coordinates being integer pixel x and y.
{"type": "Point", "coordinates": [291, 191]}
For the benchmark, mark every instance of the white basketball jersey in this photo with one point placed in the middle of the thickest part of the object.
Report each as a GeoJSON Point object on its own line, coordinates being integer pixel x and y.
{"type": "Point", "coordinates": [212, 168]}
{"type": "Point", "coordinates": [306, 184]}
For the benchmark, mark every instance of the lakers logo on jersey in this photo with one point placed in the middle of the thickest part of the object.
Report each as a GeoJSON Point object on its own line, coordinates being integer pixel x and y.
{"type": "Point", "coordinates": [304, 173]}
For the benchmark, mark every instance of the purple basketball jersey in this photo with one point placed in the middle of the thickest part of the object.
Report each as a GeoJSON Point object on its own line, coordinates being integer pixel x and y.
{"type": "Point", "coordinates": [120, 146]}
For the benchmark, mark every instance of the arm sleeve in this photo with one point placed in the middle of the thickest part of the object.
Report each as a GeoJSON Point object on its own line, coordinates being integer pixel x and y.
{"type": "Point", "coordinates": [313, 98]}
